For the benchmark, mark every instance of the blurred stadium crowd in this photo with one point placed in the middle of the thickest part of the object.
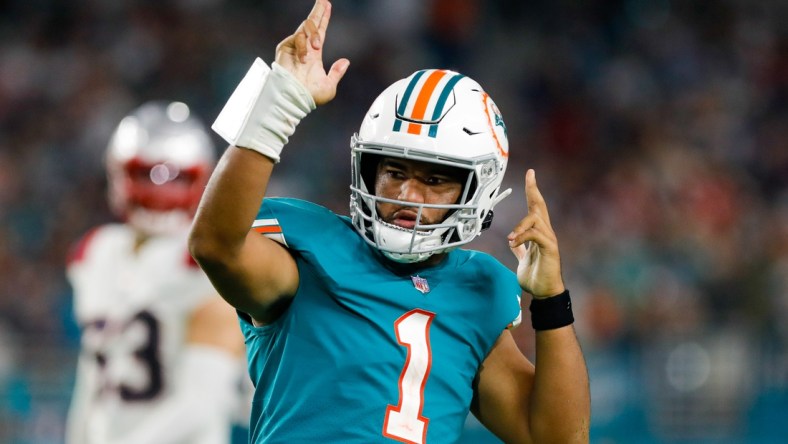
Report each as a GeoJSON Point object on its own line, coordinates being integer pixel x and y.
{"type": "Point", "coordinates": [658, 130]}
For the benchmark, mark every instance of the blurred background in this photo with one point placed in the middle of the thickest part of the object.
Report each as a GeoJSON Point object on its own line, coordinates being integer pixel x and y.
{"type": "Point", "coordinates": [658, 130]}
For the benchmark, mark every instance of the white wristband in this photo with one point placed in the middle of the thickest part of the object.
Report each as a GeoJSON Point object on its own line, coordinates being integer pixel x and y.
{"type": "Point", "coordinates": [263, 111]}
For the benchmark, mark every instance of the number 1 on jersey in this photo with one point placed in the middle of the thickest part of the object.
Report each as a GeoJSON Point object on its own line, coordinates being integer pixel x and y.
{"type": "Point", "coordinates": [405, 422]}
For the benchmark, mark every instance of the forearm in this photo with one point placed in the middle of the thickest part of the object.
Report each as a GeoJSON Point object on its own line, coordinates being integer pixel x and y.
{"type": "Point", "coordinates": [560, 402]}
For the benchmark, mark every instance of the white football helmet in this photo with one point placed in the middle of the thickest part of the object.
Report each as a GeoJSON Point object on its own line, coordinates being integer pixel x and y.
{"type": "Point", "coordinates": [436, 116]}
{"type": "Point", "coordinates": [159, 160]}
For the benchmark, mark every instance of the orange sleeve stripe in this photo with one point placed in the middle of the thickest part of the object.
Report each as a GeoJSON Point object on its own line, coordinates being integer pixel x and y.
{"type": "Point", "coordinates": [268, 229]}
{"type": "Point", "coordinates": [420, 108]}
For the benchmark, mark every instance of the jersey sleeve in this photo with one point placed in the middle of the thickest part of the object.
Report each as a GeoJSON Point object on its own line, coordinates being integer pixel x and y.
{"type": "Point", "coordinates": [298, 225]}
{"type": "Point", "coordinates": [79, 248]}
{"type": "Point", "coordinates": [82, 258]}
{"type": "Point", "coordinates": [506, 292]}
{"type": "Point", "coordinates": [311, 232]}
{"type": "Point", "coordinates": [508, 302]}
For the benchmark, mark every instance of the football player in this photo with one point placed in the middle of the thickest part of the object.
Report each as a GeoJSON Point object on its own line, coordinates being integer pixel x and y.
{"type": "Point", "coordinates": [161, 352]}
{"type": "Point", "coordinates": [376, 327]}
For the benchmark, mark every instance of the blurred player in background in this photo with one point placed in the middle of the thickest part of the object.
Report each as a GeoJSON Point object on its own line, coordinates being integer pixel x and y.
{"type": "Point", "coordinates": [377, 327]}
{"type": "Point", "coordinates": [160, 358]}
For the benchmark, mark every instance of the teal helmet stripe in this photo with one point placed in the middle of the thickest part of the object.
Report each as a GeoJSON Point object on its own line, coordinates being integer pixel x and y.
{"type": "Point", "coordinates": [442, 102]}
{"type": "Point", "coordinates": [403, 103]}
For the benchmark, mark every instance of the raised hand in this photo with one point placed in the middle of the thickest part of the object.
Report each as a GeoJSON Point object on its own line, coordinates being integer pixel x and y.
{"type": "Point", "coordinates": [534, 243]}
{"type": "Point", "coordinates": [302, 55]}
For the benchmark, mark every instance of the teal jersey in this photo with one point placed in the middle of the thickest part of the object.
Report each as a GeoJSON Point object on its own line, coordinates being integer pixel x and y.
{"type": "Point", "coordinates": [370, 350]}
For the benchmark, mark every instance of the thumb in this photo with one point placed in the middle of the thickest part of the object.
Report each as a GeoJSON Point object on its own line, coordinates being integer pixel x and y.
{"type": "Point", "coordinates": [338, 70]}
{"type": "Point", "coordinates": [519, 251]}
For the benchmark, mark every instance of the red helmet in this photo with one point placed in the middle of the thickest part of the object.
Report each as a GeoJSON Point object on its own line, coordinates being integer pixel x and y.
{"type": "Point", "coordinates": [158, 163]}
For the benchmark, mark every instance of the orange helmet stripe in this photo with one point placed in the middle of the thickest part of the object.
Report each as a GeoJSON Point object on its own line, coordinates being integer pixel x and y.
{"type": "Point", "coordinates": [420, 107]}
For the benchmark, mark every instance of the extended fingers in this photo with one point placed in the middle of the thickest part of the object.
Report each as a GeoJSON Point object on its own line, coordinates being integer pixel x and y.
{"type": "Point", "coordinates": [534, 198]}
{"type": "Point", "coordinates": [309, 33]}
{"type": "Point", "coordinates": [318, 10]}
{"type": "Point", "coordinates": [324, 19]}
{"type": "Point", "coordinates": [318, 23]}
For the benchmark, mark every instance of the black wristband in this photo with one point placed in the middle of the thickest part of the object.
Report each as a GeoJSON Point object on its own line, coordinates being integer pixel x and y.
{"type": "Point", "coordinates": [553, 312]}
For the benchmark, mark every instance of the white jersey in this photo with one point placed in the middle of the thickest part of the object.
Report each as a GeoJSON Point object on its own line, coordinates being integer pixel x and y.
{"type": "Point", "coordinates": [133, 308]}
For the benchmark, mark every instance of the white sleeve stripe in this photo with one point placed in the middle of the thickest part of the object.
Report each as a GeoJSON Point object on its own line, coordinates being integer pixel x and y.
{"type": "Point", "coordinates": [264, 222]}
{"type": "Point", "coordinates": [278, 237]}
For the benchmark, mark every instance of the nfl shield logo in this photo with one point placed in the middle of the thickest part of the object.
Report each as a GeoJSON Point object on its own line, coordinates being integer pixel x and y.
{"type": "Point", "coordinates": [421, 284]}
